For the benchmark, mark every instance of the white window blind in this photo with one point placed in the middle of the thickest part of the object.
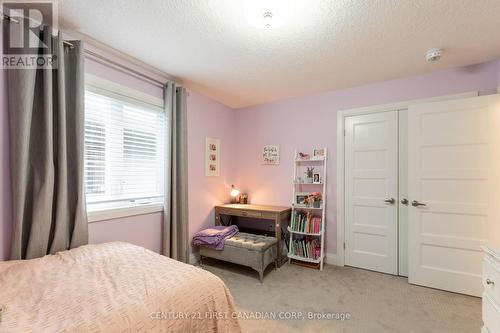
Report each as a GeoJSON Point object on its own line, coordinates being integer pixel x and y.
{"type": "Point", "coordinates": [124, 151]}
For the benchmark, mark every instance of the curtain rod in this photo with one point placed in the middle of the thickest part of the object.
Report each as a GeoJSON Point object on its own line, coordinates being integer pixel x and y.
{"type": "Point", "coordinates": [122, 68]}
{"type": "Point", "coordinates": [105, 61]}
{"type": "Point", "coordinates": [11, 19]}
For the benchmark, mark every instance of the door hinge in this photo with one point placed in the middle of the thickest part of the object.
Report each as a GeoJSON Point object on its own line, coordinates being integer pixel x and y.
{"type": "Point", "coordinates": [344, 132]}
{"type": "Point", "coordinates": [344, 245]}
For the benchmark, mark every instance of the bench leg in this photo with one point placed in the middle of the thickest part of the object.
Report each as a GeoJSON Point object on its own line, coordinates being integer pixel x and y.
{"type": "Point", "coordinates": [201, 262]}
{"type": "Point", "coordinates": [261, 276]}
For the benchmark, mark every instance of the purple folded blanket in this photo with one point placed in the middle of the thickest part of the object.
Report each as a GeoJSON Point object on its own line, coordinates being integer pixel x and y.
{"type": "Point", "coordinates": [215, 236]}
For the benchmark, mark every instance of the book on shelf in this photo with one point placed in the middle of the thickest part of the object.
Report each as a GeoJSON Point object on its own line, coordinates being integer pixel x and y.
{"type": "Point", "coordinates": [307, 248]}
{"type": "Point", "coordinates": [305, 222]}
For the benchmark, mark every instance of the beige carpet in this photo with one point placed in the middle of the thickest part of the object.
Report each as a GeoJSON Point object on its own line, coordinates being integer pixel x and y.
{"type": "Point", "coordinates": [376, 302]}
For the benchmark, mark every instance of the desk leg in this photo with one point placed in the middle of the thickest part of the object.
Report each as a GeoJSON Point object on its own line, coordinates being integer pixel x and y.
{"type": "Point", "coordinates": [277, 231]}
{"type": "Point", "coordinates": [217, 218]}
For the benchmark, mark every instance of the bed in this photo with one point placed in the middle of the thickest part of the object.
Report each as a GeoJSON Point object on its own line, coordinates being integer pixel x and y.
{"type": "Point", "coordinates": [112, 287]}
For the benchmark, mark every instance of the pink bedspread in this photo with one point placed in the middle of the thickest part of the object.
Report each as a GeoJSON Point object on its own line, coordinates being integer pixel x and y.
{"type": "Point", "coordinates": [112, 287]}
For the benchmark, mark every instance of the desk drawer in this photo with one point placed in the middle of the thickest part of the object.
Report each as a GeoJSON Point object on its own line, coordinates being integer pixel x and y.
{"type": "Point", "coordinates": [248, 213]}
{"type": "Point", "coordinates": [491, 278]}
{"type": "Point", "coordinates": [242, 213]}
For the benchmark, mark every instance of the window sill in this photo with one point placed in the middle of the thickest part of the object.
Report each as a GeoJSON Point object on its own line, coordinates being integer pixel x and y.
{"type": "Point", "coordinates": [120, 212]}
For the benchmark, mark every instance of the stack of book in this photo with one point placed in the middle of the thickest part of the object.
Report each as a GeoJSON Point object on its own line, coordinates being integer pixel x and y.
{"type": "Point", "coordinates": [306, 248]}
{"type": "Point", "coordinates": [305, 222]}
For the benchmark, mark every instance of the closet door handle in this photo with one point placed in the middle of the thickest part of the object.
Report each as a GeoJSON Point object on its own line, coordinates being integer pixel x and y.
{"type": "Point", "coordinates": [404, 201]}
{"type": "Point", "coordinates": [390, 201]}
{"type": "Point", "coordinates": [415, 203]}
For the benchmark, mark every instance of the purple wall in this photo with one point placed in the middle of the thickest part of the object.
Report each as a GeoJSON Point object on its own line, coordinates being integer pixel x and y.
{"type": "Point", "coordinates": [311, 121]}
{"type": "Point", "coordinates": [142, 230]}
{"type": "Point", "coordinates": [243, 133]}
{"type": "Point", "coordinates": [208, 118]}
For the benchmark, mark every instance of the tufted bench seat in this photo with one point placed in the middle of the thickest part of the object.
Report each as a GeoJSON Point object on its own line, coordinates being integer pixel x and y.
{"type": "Point", "coordinates": [255, 251]}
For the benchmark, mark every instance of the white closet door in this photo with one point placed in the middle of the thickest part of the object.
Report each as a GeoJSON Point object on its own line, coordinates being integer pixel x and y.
{"type": "Point", "coordinates": [371, 173]}
{"type": "Point", "coordinates": [453, 149]}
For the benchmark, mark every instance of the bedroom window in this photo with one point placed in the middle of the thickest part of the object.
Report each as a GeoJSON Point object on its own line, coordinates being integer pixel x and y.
{"type": "Point", "coordinates": [124, 155]}
{"type": "Point", "coordinates": [95, 157]}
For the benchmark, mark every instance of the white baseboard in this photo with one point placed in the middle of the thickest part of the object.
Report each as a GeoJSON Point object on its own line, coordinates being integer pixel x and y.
{"type": "Point", "coordinates": [331, 259]}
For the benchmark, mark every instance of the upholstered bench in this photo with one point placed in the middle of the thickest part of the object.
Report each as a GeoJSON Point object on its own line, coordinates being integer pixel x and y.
{"type": "Point", "coordinates": [255, 251]}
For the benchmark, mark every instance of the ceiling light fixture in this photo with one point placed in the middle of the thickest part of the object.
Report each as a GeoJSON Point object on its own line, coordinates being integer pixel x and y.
{"type": "Point", "coordinates": [265, 14]}
{"type": "Point", "coordinates": [268, 17]}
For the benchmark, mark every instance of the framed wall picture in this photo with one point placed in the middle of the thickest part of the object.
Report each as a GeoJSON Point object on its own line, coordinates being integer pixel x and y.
{"type": "Point", "coordinates": [212, 157]}
{"type": "Point", "coordinates": [271, 155]}
{"type": "Point", "coordinates": [300, 199]}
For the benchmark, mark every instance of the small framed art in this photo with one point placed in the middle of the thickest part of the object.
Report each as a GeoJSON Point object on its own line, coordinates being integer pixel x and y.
{"type": "Point", "coordinates": [271, 155]}
{"type": "Point", "coordinates": [301, 199]}
{"type": "Point", "coordinates": [212, 157]}
{"type": "Point", "coordinates": [316, 178]}
{"type": "Point", "coordinates": [318, 154]}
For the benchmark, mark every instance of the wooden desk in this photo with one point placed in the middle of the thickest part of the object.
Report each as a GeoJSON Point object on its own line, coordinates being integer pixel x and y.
{"type": "Point", "coordinates": [275, 213]}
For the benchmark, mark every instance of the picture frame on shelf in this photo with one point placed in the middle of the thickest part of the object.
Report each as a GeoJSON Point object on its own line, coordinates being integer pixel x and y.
{"type": "Point", "coordinates": [300, 199]}
{"type": "Point", "coordinates": [318, 153]}
{"type": "Point", "coordinates": [316, 178]}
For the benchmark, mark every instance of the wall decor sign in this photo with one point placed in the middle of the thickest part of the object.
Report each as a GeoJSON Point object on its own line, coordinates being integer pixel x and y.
{"type": "Point", "coordinates": [212, 157]}
{"type": "Point", "coordinates": [271, 155]}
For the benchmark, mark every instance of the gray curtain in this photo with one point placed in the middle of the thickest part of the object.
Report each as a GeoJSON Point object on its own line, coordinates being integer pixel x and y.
{"type": "Point", "coordinates": [175, 216]}
{"type": "Point", "coordinates": [46, 112]}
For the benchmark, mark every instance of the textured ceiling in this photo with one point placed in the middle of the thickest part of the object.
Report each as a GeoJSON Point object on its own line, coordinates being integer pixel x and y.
{"type": "Point", "coordinates": [321, 45]}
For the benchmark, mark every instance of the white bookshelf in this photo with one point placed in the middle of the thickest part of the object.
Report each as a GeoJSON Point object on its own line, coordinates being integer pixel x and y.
{"type": "Point", "coordinates": [319, 164]}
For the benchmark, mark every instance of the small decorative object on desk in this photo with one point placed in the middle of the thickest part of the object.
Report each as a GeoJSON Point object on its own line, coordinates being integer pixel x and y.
{"type": "Point", "coordinates": [309, 175]}
{"type": "Point", "coordinates": [244, 199]}
{"type": "Point", "coordinates": [235, 195]}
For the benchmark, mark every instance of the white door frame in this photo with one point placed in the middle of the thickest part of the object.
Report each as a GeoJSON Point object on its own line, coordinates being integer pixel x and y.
{"type": "Point", "coordinates": [341, 115]}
